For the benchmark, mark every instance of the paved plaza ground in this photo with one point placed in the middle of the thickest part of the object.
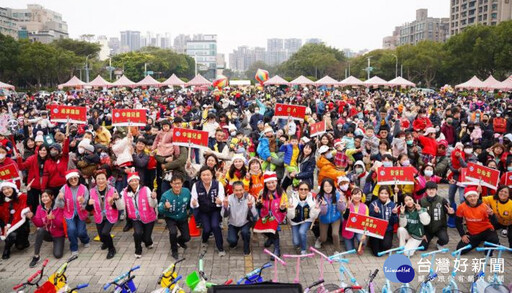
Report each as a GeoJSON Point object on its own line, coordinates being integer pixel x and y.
{"type": "Point", "coordinates": [92, 267]}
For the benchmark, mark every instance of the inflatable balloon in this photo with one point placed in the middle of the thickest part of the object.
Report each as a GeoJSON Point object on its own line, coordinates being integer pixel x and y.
{"type": "Point", "coordinates": [261, 76]}
{"type": "Point", "coordinates": [220, 82]}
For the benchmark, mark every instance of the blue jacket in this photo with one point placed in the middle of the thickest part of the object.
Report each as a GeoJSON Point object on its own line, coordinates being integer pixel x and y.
{"type": "Point", "coordinates": [263, 149]}
{"type": "Point", "coordinates": [288, 152]}
{"type": "Point", "coordinates": [331, 213]}
{"type": "Point", "coordinates": [385, 213]}
{"type": "Point", "coordinates": [307, 169]}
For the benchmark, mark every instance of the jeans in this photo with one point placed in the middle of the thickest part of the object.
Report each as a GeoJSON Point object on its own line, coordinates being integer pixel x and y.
{"type": "Point", "coordinates": [76, 229]}
{"type": "Point", "coordinates": [300, 235]}
{"type": "Point", "coordinates": [353, 242]}
{"type": "Point", "coordinates": [104, 229]}
{"type": "Point", "coordinates": [58, 242]}
{"type": "Point", "coordinates": [246, 236]}
{"type": "Point", "coordinates": [142, 233]}
{"type": "Point", "coordinates": [210, 223]}
{"type": "Point", "coordinates": [451, 193]}
{"type": "Point", "coordinates": [173, 226]}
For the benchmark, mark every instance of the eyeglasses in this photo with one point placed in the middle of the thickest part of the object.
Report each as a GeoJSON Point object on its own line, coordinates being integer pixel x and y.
{"type": "Point", "coordinates": [304, 189]}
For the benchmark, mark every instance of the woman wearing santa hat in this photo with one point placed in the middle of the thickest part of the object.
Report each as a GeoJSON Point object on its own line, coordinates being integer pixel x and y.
{"type": "Point", "coordinates": [478, 217]}
{"type": "Point", "coordinates": [14, 228]}
{"type": "Point", "coordinates": [140, 204]}
{"type": "Point", "coordinates": [73, 196]}
{"type": "Point", "coordinates": [105, 203]}
{"type": "Point", "coordinates": [207, 194]}
{"type": "Point", "coordinates": [272, 204]}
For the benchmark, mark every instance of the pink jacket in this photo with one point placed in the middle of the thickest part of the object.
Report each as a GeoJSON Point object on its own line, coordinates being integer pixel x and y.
{"type": "Point", "coordinates": [123, 150]}
{"type": "Point", "coordinates": [163, 144]}
{"type": "Point", "coordinates": [111, 213]}
{"type": "Point", "coordinates": [145, 210]}
{"type": "Point", "coordinates": [54, 226]}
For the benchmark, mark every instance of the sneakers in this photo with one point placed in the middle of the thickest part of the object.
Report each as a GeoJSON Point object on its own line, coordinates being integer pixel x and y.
{"type": "Point", "coordinates": [303, 252]}
{"type": "Point", "coordinates": [318, 244]}
{"type": "Point", "coordinates": [6, 254]}
{"type": "Point", "coordinates": [137, 256]}
{"type": "Point", "coordinates": [182, 245]}
{"type": "Point", "coordinates": [74, 253]}
{"type": "Point", "coordinates": [103, 246]}
{"type": "Point", "coordinates": [111, 253]}
{"type": "Point", "coordinates": [504, 233]}
{"type": "Point", "coordinates": [87, 245]}
{"type": "Point", "coordinates": [128, 226]}
{"type": "Point", "coordinates": [150, 246]}
{"type": "Point", "coordinates": [247, 253]}
{"type": "Point", "coordinates": [175, 255]}
{"type": "Point", "coordinates": [222, 253]}
{"type": "Point", "coordinates": [34, 261]}
{"type": "Point", "coordinates": [439, 247]}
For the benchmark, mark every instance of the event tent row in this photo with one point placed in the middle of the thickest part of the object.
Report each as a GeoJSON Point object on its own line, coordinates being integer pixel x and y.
{"type": "Point", "coordinates": [124, 81]}
{"type": "Point", "coordinates": [349, 81]}
{"type": "Point", "coordinates": [489, 84]}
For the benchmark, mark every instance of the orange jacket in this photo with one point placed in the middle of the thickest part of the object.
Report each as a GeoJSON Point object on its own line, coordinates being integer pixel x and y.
{"type": "Point", "coordinates": [326, 169]}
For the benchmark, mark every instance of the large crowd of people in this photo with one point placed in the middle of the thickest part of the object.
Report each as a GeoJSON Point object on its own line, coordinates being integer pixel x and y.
{"type": "Point", "coordinates": [258, 173]}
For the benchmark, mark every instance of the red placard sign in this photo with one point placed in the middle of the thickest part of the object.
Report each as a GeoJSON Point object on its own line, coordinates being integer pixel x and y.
{"type": "Point", "coordinates": [285, 111]}
{"type": "Point", "coordinates": [395, 175]}
{"type": "Point", "coordinates": [485, 176]}
{"type": "Point", "coordinates": [317, 129]}
{"type": "Point", "coordinates": [508, 179]}
{"type": "Point", "coordinates": [8, 172]}
{"type": "Point", "coordinates": [129, 117]}
{"type": "Point", "coordinates": [366, 225]}
{"type": "Point", "coordinates": [68, 113]}
{"type": "Point", "coordinates": [463, 180]}
{"type": "Point", "coordinates": [190, 137]}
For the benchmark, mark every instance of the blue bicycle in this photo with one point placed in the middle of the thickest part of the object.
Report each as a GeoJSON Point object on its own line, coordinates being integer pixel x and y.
{"type": "Point", "coordinates": [427, 286]}
{"type": "Point", "coordinates": [405, 287]}
{"type": "Point", "coordinates": [387, 286]}
{"type": "Point", "coordinates": [124, 282]}
{"type": "Point", "coordinates": [343, 269]}
{"type": "Point", "coordinates": [254, 277]}
{"type": "Point", "coordinates": [452, 286]}
{"type": "Point", "coordinates": [496, 285]}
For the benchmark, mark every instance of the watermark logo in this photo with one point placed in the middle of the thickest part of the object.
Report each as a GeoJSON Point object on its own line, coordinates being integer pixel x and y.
{"type": "Point", "coordinates": [398, 269]}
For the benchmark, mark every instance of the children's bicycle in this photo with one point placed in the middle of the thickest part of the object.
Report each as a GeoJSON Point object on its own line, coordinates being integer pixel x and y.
{"type": "Point", "coordinates": [426, 286]}
{"type": "Point", "coordinates": [297, 268]}
{"type": "Point", "coordinates": [197, 280]}
{"type": "Point", "coordinates": [405, 287]}
{"type": "Point", "coordinates": [344, 270]}
{"type": "Point", "coordinates": [254, 277]}
{"type": "Point", "coordinates": [496, 285]}
{"type": "Point", "coordinates": [323, 288]}
{"type": "Point", "coordinates": [32, 281]}
{"type": "Point", "coordinates": [172, 287]}
{"type": "Point", "coordinates": [169, 275]}
{"type": "Point", "coordinates": [124, 282]}
{"type": "Point", "coordinates": [452, 286]}
{"type": "Point", "coordinates": [370, 285]}
{"type": "Point", "coordinates": [387, 286]}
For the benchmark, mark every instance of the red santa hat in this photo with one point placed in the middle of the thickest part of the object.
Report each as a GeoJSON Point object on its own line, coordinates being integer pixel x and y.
{"type": "Point", "coordinates": [470, 190]}
{"type": "Point", "coordinates": [9, 183]}
{"type": "Point", "coordinates": [72, 173]}
{"type": "Point", "coordinates": [132, 175]}
{"type": "Point", "coordinates": [269, 176]}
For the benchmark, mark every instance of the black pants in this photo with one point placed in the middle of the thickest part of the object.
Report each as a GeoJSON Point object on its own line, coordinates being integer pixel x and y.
{"type": "Point", "coordinates": [442, 238]}
{"type": "Point", "coordinates": [287, 181]}
{"type": "Point", "coordinates": [149, 178]}
{"type": "Point", "coordinates": [142, 233]}
{"type": "Point", "coordinates": [104, 229]}
{"type": "Point", "coordinates": [58, 242]}
{"type": "Point", "coordinates": [475, 240]}
{"type": "Point", "coordinates": [173, 226]}
{"type": "Point", "coordinates": [18, 238]}
{"type": "Point", "coordinates": [33, 196]}
{"type": "Point", "coordinates": [377, 245]}
{"type": "Point", "coordinates": [509, 232]}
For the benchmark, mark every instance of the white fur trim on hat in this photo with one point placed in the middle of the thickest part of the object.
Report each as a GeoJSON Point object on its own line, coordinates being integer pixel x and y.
{"type": "Point", "coordinates": [238, 157]}
{"type": "Point", "coordinates": [132, 176]}
{"type": "Point", "coordinates": [323, 149]}
{"type": "Point", "coordinates": [269, 176]}
{"type": "Point", "coordinates": [9, 184]}
{"type": "Point", "coordinates": [72, 174]}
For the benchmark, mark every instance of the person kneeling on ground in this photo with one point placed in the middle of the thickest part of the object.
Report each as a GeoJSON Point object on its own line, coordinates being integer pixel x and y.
{"type": "Point", "coordinates": [412, 219]}
{"type": "Point", "coordinates": [438, 208]}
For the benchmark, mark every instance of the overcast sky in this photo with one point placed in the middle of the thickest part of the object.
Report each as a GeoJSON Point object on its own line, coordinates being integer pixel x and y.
{"type": "Point", "coordinates": [357, 24]}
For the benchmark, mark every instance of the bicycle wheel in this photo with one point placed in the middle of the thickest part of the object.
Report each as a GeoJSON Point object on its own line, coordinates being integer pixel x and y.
{"type": "Point", "coordinates": [405, 290]}
{"type": "Point", "coordinates": [496, 288]}
{"type": "Point", "coordinates": [328, 288]}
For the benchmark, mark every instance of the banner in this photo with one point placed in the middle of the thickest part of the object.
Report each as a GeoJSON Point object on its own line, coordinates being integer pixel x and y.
{"type": "Point", "coordinates": [129, 117]}
{"type": "Point", "coordinates": [68, 113]}
{"type": "Point", "coordinates": [8, 172]}
{"type": "Point", "coordinates": [366, 225]}
{"type": "Point", "coordinates": [485, 176]}
{"type": "Point", "coordinates": [395, 175]}
{"type": "Point", "coordinates": [317, 129]}
{"type": "Point", "coordinates": [190, 137]}
{"type": "Point", "coordinates": [508, 179]}
{"type": "Point", "coordinates": [463, 180]}
{"type": "Point", "coordinates": [285, 111]}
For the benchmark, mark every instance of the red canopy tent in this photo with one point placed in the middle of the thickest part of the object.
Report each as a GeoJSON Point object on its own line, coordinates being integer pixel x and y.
{"type": "Point", "coordinates": [276, 80]}
{"type": "Point", "coordinates": [99, 82]}
{"type": "Point", "coordinates": [173, 81]}
{"type": "Point", "coordinates": [74, 82]}
{"type": "Point", "coordinates": [326, 80]}
{"type": "Point", "coordinates": [376, 81]}
{"type": "Point", "coordinates": [491, 84]}
{"type": "Point", "coordinates": [123, 81]}
{"type": "Point", "coordinates": [302, 80]}
{"type": "Point", "coordinates": [199, 80]}
{"type": "Point", "coordinates": [472, 84]}
{"type": "Point", "coordinates": [6, 86]}
{"type": "Point", "coordinates": [402, 82]}
{"type": "Point", "coordinates": [149, 81]}
{"type": "Point", "coordinates": [351, 81]}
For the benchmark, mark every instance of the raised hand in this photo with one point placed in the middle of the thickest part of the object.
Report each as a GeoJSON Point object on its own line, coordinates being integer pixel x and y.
{"type": "Point", "coordinates": [167, 204]}
{"type": "Point", "coordinates": [417, 205]}
{"type": "Point", "coordinates": [91, 202]}
{"type": "Point", "coordinates": [376, 208]}
{"type": "Point", "coordinates": [449, 209]}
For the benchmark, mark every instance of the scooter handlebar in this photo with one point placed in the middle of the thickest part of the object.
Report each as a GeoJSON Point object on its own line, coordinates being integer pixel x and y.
{"type": "Point", "coordinates": [390, 250]}
{"type": "Point", "coordinates": [460, 250]}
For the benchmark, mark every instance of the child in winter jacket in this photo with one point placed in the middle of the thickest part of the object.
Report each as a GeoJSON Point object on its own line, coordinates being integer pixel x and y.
{"type": "Point", "coordinates": [291, 155]}
{"type": "Point", "coordinates": [302, 212]}
{"type": "Point", "coordinates": [383, 208]}
{"type": "Point", "coordinates": [267, 148]}
{"type": "Point", "coordinates": [355, 206]}
{"type": "Point", "coordinates": [412, 219]}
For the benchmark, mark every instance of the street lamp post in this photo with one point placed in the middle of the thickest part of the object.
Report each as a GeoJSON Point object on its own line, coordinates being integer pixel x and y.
{"type": "Point", "coordinates": [396, 65]}
{"type": "Point", "coordinates": [87, 68]}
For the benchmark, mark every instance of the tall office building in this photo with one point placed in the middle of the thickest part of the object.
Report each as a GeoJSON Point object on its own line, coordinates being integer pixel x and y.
{"type": "Point", "coordinates": [115, 46]}
{"type": "Point", "coordinates": [314, 41]}
{"type": "Point", "coordinates": [243, 57]}
{"type": "Point", "coordinates": [468, 12]}
{"type": "Point", "coordinates": [8, 24]}
{"type": "Point", "coordinates": [276, 53]}
{"type": "Point", "coordinates": [180, 43]}
{"type": "Point", "coordinates": [203, 48]}
{"type": "Point", "coordinates": [130, 41]}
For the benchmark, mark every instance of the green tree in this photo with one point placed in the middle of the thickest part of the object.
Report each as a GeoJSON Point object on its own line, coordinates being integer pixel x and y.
{"type": "Point", "coordinates": [37, 63]}
{"type": "Point", "coordinates": [80, 48]}
{"type": "Point", "coordinates": [9, 57]}
{"type": "Point", "coordinates": [250, 73]}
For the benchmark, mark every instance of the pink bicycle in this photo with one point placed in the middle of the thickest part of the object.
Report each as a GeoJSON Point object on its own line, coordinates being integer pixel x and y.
{"type": "Point", "coordinates": [323, 288]}
{"type": "Point", "coordinates": [277, 260]}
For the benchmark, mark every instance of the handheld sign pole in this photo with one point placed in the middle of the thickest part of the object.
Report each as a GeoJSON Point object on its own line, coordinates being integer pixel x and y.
{"type": "Point", "coordinates": [363, 238]}
{"type": "Point", "coordinates": [395, 196]}
{"type": "Point", "coordinates": [189, 151]}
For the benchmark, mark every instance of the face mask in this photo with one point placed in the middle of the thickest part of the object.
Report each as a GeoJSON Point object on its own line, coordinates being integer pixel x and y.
{"type": "Point", "coordinates": [344, 187]}
{"type": "Point", "coordinates": [233, 134]}
{"type": "Point", "coordinates": [2, 156]}
{"type": "Point", "coordinates": [409, 142]}
{"type": "Point", "coordinates": [387, 164]}
{"type": "Point", "coordinates": [509, 168]}
{"type": "Point", "coordinates": [80, 150]}
{"type": "Point", "coordinates": [359, 170]}
{"type": "Point", "coordinates": [468, 151]}
{"type": "Point", "coordinates": [328, 155]}
{"type": "Point", "coordinates": [406, 163]}
{"type": "Point", "coordinates": [429, 173]}
{"type": "Point", "coordinates": [54, 153]}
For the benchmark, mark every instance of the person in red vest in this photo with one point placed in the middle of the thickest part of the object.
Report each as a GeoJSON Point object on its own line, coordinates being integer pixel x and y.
{"type": "Point", "coordinates": [105, 203]}
{"type": "Point", "coordinates": [73, 196]}
{"type": "Point", "coordinates": [140, 204]}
